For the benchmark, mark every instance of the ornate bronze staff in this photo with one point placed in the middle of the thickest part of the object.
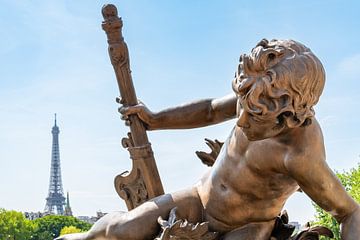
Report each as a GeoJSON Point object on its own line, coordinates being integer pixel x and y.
{"type": "Point", "coordinates": [143, 182]}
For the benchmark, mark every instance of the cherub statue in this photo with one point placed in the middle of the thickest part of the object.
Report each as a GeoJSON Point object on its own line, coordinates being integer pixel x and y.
{"type": "Point", "coordinates": [275, 148]}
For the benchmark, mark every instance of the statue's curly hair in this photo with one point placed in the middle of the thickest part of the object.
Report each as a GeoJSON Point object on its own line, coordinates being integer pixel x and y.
{"type": "Point", "coordinates": [280, 79]}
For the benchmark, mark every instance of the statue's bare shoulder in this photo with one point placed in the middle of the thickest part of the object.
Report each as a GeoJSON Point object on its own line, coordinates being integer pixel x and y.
{"type": "Point", "coordinates": [306, 145]}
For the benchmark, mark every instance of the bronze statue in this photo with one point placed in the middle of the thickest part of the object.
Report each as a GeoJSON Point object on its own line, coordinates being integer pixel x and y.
{"type": "Point", "coordinates": [275, 148]}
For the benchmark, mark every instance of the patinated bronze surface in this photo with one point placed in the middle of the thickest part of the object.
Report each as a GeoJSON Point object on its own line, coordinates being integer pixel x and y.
{"type": "Point", "coordinates": [143, 182]}
{"type": "Point", "coordinates": [275, 148]}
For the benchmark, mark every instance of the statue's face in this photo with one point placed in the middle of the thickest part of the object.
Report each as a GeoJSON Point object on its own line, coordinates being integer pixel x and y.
{"type": "Point", "coordinates": [278, 78]}
{"type": "Point", "coordinates": [255, 70]}
{"type": "Point", "coordinates": [255, 130]}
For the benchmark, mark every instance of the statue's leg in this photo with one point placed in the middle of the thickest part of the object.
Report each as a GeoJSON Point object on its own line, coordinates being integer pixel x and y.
{"type": "Point", "coordinates": [141, 222]}
{"type": "Point", "coordinates": [97, 231]}
{"type": "Point", "coordinates": [256, 231]}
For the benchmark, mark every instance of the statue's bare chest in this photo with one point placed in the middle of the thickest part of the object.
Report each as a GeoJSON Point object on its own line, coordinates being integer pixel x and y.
{"type": "Point", "coordinates": [262, 155]}
{"type": "Point", "coordinates": [246, 176]}
{"type": "Point", "coordinates": [244, 164]}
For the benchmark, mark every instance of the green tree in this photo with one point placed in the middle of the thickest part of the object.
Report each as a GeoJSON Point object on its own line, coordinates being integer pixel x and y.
{"type": "Point", "coordinates": [49, 227]}
{"type": "Point", "coordinates": [351, 182]}
{"type": "Point", "coordinates": [69, 229]}
{"type": "Point", "coordinates": [14, 225]}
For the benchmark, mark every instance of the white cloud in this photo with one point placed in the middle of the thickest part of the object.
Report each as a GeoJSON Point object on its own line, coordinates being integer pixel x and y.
{"type": "Point", "coordinates": [349, 66]}
{"type": "Point", "coordinates": [328, 121]}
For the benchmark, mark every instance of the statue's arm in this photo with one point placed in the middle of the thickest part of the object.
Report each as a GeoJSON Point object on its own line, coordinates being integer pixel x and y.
{"type": "Point", "coordinates": [319, 182]}
{"type": "Point", "coordinates": [191, 115]}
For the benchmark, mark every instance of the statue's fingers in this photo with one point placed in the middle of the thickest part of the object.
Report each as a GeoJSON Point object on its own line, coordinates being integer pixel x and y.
{"type": "Point", "coordinates": [132, 110]}
{"type": "Point", "coordinates": [119, 100]}
{"type": "Point", "coordinates": [128, 110]}
{"type": "Point", "coordinates": [122, 110]}
{"type": "Point", "coordinates": [124, 117]}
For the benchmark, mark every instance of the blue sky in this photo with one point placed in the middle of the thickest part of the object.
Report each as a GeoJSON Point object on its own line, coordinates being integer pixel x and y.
{"type": "Point", "coordinates": [54, 59]}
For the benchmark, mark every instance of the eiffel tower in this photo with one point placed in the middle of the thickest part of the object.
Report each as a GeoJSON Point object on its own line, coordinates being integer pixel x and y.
{"type": "Point", "coordinates": [55, 199]}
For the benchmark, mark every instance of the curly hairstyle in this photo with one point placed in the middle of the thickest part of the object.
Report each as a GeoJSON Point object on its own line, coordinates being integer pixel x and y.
{"type": "Point", "coordinates": [280, 79]}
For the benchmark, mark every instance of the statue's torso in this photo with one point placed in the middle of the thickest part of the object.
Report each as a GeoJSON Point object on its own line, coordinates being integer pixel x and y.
{"type": "Point", "coordinates": [248, 182]}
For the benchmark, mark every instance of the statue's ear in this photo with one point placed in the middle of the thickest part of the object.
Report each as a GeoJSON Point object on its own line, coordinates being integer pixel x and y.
{"type": "Point", "coordinates": [281, 118]}
{"type": "Point", "coordinates": [290, 119]}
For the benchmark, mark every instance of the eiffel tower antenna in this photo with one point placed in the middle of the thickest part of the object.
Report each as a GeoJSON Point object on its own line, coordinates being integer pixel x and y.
{"type": "Point", "coordinates": [55, 201]}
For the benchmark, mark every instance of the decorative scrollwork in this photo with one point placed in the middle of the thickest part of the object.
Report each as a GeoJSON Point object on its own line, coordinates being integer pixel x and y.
{"type": "Point", "coordinates": [313, 233]}
{"type": "Point", "coordinates": [134, 192]}
{"type": "Point", "coordinates": [283, 230]}
{"type": "Point", "coordinates": [118, 53]}
{"type": "Point", "coordinates": [112, 25]}
{"type": "Point", "coordinates": [174, 229]}
{"type": "Point", "coordinates": [127, 142]}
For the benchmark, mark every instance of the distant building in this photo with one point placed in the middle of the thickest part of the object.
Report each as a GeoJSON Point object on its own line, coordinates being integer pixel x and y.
{"type": "Point", "coordinates": [68, 211]}
{"type": "Point", "coordinates": [33, 215]}
{"type": "Point", "coordinates": [87, 219]}
{"type": "Point", "coordinates": [93, 219]}
{"type": "Point", "coordinates": [55, 201]}
{"type": "Point", "coordinates": [297, 225]}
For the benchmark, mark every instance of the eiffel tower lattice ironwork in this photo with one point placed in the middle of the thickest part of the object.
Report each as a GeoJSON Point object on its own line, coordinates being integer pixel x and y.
{"type": "Point", "coordinates": [55, 199]}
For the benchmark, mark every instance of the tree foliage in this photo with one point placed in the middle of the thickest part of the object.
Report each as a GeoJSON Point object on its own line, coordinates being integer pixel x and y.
{"type": "Point", "coordinates": [13, 225]}
{"type": "Point", "coordinates": [69, 229]}
{"type": "Point", "coordinates": [351, 182]}
{"type": "Point", "coordinates": [49, 227]}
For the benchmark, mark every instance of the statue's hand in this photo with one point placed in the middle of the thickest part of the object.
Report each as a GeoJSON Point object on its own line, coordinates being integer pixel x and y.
{"type": "Point", "coordinates": [145, 115]}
